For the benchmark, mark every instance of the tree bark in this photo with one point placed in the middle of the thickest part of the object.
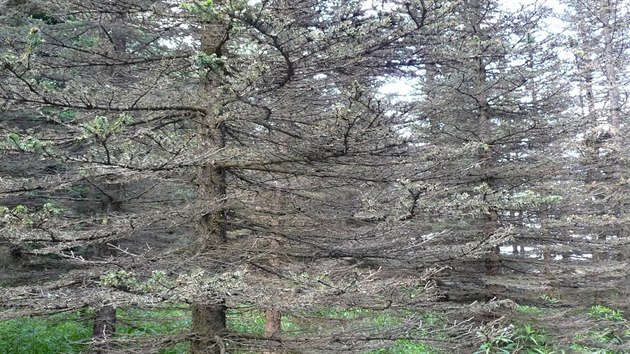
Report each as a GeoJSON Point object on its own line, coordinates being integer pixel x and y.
{"type": "Point", "coordinates": [104, 328]}
{"type": "Point", "coordinates": [209, 324]}
{"type": "Point", "coordinates": [209, 319]}
{"type": "Point", "coordinates": [273, 322]}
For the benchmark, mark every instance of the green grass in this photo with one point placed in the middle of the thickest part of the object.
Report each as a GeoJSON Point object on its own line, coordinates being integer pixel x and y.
{"type": "Point", "coordinates": [529, 309]}
{"type": "Point", "coordinates": [607, 327]}
{"type": "Point", "coordinates": [139, 322]}
{"type": "Point", "coordinates": [66, 333]}
{"type": "Point", "coordinates": [403, 346]}
{"type": "Point", "coordinates": [246, 320]}
{"type": "Point", "coordinates": [582, 349]}
{"type": "Point", "coordinates": [606, 313]}
{"type": "Point", "coordinates": [179, 348]}
{"type": "Point", "coordinates": [524, 339]}
{"type": "Point", "coordinates": [550, 299]}
{"type": "Point", "coordinates": [252, 320]}
{"type": "Point", "coordinates": [71, 333]}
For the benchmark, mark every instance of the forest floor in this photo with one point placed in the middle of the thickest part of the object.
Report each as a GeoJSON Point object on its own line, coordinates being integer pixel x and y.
{"type": "Point", "coordinates": [532, 330]}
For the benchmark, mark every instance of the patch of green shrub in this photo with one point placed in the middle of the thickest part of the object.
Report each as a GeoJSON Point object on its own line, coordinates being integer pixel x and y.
{"type": "Point", "coordinates": [606, 313]}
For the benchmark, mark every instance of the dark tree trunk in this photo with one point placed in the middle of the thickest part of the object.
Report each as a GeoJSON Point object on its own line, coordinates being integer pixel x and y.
{"type": "Point", "coordinates": [209, 325]}
{"type": "Point", "coordinates": [104, 318]}
{"type": "Point", "coordinates": [104, 328]}
{"type": "Point", "coordinates": [209, 320]}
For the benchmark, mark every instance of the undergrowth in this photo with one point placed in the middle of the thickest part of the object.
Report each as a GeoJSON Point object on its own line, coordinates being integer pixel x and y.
{"type": "Point", "coordinates": [70, 332]}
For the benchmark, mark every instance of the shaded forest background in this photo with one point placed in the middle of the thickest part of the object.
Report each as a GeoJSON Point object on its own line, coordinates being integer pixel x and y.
{"type": "Point", "coordinates": [307, 176]}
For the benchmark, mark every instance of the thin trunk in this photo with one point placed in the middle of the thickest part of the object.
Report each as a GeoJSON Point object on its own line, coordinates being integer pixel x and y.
{"type": "Point", "coordinates": [105, 317]}
{"type": "Point", "coordinates": [486, 158]}
{"type": "Point", "coordinates": [591, 115]}
{"type": "Point", "coordinates": [547, 260]}
{"type": "Point", "coordinates": [273, 316]}
{"type": "Point", "coordinates": [610, 69]}
{"type": "Point", "coordinates": [208, 316]}
{"type": "Point", "coordinates": [614, 108]}
{"type": "Point", "coordinates": [431, 75]}
{"type": "Point", "coordinates": [590, 95]}
{"type": "Point", "coordinates": [112, 196]}
{"type": "Point", "coordinates": [585, 66]}
{"type": "Point", "coordinates": [531, 49]}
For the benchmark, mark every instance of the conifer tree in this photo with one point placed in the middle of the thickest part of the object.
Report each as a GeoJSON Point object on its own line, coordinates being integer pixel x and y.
{"type": "Point", "coordinates": [218, 137]}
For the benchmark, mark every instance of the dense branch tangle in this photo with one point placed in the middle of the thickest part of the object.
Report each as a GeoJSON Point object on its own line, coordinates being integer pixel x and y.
{"type": "Point", "coordinates": [181, 123]}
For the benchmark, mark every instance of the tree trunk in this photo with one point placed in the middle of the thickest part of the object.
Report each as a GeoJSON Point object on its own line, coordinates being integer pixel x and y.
{"type": "Point", "coordinates": [273, 317]}
{"type": "Point", "coordinates": [273, 322]}
{"type": "Point", "coordinates": [209, 324]}
{"type": "Point", "coordinates": [209, 319]}
{"type": "Point", "coordinates": [486, 153]}
{"type": "Point", "coordinates": [104, 328]}
{"type": "Point", "coordinates": [610, 67]}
